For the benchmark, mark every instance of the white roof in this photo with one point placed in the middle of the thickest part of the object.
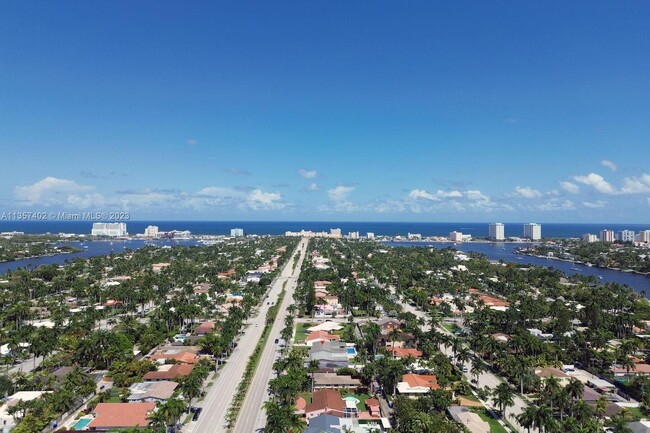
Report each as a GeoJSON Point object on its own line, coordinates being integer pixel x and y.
{"type": "Point", "coordinates": [326, 326]}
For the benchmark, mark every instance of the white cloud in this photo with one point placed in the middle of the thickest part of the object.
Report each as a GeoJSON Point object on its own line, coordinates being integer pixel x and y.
{"type": "Point", "coordinates": [192, 141]}
{"type": "Point", "coordinates": [555, 204]}
{"type": "Point", "coordinates": [527, 192]}
{"type": "Point", "coordinates": [570, 187]}
{"type": "Point", "coordinates": [217, 191]}
{"type": "Point", "coordinates": [609, 164]}
{"type": "Point", "coordinates": [308, 174]}
{"type": "Point", "coordinates": [594, 205]}
{"type": "Point", "coordinates": [258, 199]}
{"type": "Point", "coordinates": [339, 193]}
{"type": "Point", "coordinates": [417, 194]}
{"type": "Point", "coordinates": [312, 187]}
{"type": "Point", "coordinates": [51, 191]}
{"type": "Point", "coordinates": [597, 182]}
{"type": "Point", "coordinates": [636, 185]}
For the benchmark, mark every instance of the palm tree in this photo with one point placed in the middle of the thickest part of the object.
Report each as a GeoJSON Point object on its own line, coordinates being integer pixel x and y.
{"type": "Point", "coordinates": [543, 419]}
{"type": "Point", "coordinates": [526, 419]}
{"type": "Point", "coordinates": [478, 367]}
{"type": "Point", "coordinates": [172, 410]}
{"type": "Point", "coordinates": [503, 397]}
{"type": "Point", "coordinates": [280, 418]}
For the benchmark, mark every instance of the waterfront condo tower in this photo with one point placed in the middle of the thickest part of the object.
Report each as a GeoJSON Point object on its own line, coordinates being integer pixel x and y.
{"type": "Point", "coordinates": [533, 231]}
{"type": "Point", "coordinates": [497, 231]}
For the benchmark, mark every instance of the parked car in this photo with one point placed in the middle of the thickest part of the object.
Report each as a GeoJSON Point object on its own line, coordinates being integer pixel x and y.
{"type": "Point", "coordinates": [197, 412]}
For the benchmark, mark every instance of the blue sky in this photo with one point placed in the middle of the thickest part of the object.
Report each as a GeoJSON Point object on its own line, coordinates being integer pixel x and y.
{"type": "Point", "coordinates": [363, 110]}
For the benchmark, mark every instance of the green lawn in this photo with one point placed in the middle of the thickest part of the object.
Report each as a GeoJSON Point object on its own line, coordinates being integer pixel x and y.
{"type": "Point", "coordinates": [306, 396]}
{"type": "Point", "coordinates": [635, 413]}
{"type": "Point", "coordinates": [469, 397]}
{"type": "Point", "coordinates": [495, 427]}
{"type": "Point", "coordinates": [361, 406]}
{"type": "Point", "coordinates": [451, 327]}
{"type": "Point", "coordinates": [301, 331]}
{"type": "Point", "coordinates": [114, 396]}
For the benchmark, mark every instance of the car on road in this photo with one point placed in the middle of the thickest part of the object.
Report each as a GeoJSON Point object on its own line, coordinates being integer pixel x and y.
{"type": "Point", "coordinates": [197, 412]}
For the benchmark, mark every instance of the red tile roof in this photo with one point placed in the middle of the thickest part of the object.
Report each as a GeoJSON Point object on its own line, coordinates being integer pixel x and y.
{"type": "Point", "coordinates": [177, 370]}
{"type": "Point", "coordinates": [327, 400]}
{"type": "Point", "coordinates": [426, 380]}
{"type": "Point", "coordinates": [116, 415]}
{"type": "Point", "coordinates": [400, 352]}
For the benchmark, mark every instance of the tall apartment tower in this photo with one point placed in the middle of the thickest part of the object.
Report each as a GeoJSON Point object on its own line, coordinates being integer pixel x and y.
{"type": "Point", "coordinates": [626, 236]}
{"type": "Point", "coordinates": [533, 231]}
{"type": "Point", "coordinates": [109, 229]}
{"type": "Point", "coordinates": [644, 236]}
{"type": "Point", "coordinates": [497, 231]}
{"type": "Point", "coordinates": [607, 235]}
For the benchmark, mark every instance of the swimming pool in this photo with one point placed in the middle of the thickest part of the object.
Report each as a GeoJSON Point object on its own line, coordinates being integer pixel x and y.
{"type": "Point", "coordinates": [352, 351]}
{"type": "Point", "coordinates": [82, 423]}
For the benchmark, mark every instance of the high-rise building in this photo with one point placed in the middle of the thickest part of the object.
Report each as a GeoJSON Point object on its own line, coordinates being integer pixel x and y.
{"type": "Point", "coordinates": [497, 231]}
{"type": "Point", "coordinates": [589, 237]}
{"type": "Point", "coordinates": [607, 235]}
{"type": "Point", "coordinates": [456, 236]}
{"type": "Point", "coordinates": [370, 235]}
{"type": "Point", "coordinates": [151, 232]}
{"type": "Point", "coordinates": [335, 233]}
{"type": "Point", "coordinates": [626, 236]}
{"type": "Point", "coordinates": [644, 236]}
{"type": "Point", "coordinates": [109, 229]}
{"type": "Point", "coordinates": [236, 232]}
{"type": "Point", "coordinates": [533, 231]}
{"type": "Point", "coordinates": [353, 235]}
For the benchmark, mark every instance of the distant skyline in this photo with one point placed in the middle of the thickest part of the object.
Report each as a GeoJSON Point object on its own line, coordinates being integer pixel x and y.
{"type": "Point", "coordinates": [319, 111]}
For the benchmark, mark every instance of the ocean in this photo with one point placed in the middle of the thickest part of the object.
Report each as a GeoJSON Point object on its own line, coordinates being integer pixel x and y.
{"type": "Point", "coordinates": [554, 230]}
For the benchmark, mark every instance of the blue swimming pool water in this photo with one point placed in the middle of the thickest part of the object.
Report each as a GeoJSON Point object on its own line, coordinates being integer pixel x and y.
{"type": "Point", "coordinates": [352, 351]}
{"type": "Point", "coordinates": [82, 423]}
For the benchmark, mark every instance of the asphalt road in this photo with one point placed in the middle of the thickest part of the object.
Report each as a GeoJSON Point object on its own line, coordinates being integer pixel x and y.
{"type": "Point", "coordinates": [252, 416]}
{"type": "Point", "coordinates": [221, 393]}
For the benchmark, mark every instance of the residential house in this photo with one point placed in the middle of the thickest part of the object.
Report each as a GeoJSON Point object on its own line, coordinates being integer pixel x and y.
{"type": "Point", "coordinates": [334, 381]}
{"type": "Point", "coordinates": [414, 384]}
{"type": "Point", "coordinates": [204, 328]}
{"type": "Point", "coordinates": [157, 392]}
{"type": "Point", "coordinates": [121, 415]}
{"type": "Point", "coordinates": [325, 401]}
{"type": "Point", "coordinates": [331, 355]}
{"type": "Point", "coordinates": [637, 370]}
{"type": "Point", "coordinates": [400, 352]}
{"type": "Point", "coordinates": [319, 336]}
{"type": "Point", "coordinates": [546, 372]}
{"type": "Point", "coordinates": [169, 372]}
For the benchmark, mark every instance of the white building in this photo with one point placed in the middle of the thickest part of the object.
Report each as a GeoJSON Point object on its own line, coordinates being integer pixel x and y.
{"type": "Point", "coordinates": [497, 231]}
{"type": "Point", "coordinates": [589, 237]}
{"type": "Point", "coordinates": [353, 235]}
{"type": "Point", "coordinates": [236, 232]}
{"type": "Point", "coordinates": [626, 236]}
{"type": "Point", "coordinates": [533, 231]}
{"type": "Point", "coordinates": [335, 233]}
{"type": "Point", "coordinates": [456, 236]}
{"type": "Point", "coordinates": [644, 236]}
{"type": "Point", "coordinates": [607, 235]}
{"type": "Point", "coordinates": [413, 236]}
{"type": "Point", "coordinates": [151, 232]}
{"type": "Point", "coordinates": [109, 229]}
{"type": "Point", "coordinates": [370, 235]}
